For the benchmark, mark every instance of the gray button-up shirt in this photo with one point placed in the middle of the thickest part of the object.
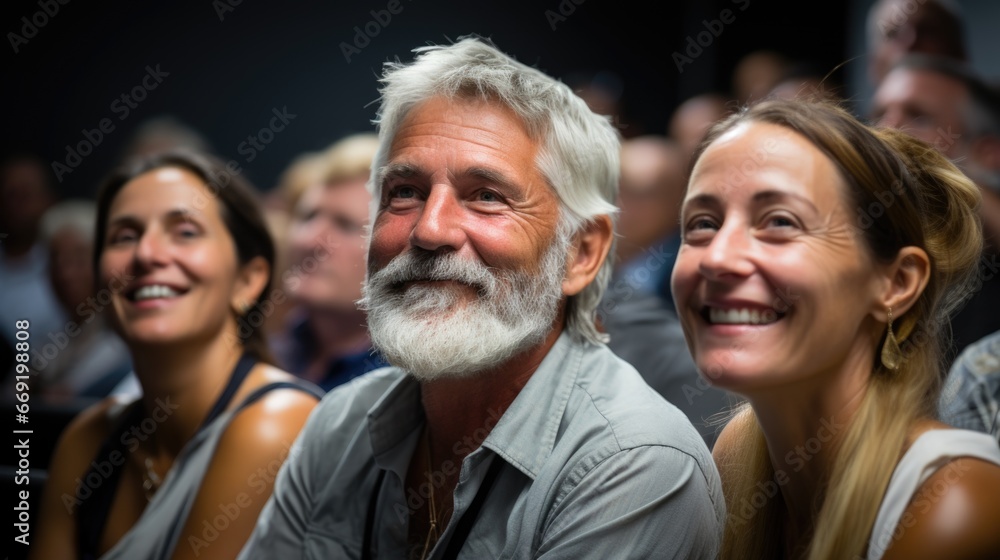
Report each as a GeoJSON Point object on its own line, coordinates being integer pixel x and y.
{"type": "Point", "coordinates": [595, 465]}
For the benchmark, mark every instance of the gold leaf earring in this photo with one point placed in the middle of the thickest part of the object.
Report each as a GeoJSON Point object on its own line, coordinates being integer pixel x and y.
{"type": "Point", "coordinates": [892, 356]}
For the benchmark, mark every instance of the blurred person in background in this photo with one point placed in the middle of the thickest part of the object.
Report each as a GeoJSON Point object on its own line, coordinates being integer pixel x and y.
{"type": "Point", "coordinates": [279, 204]}
{"type": "Point", "coordinates": [638, 309]}
{"type": "Point", "coordinates": [92, 358]}
{"type": "Point", "coordinates": [804, 80]}
{"type": "Point", "coordinates": [944, 103]}
{"type": "Point", "coordinates": [26, 193]}
{"type": "Point", "coordinates": [162, 134]}
{"type": "Point", "coordinates": [896, 28]}
{"type": "Point", "coordinates": [692, 119]}
{"type": "Point", "coordinates": [325, 337]}
{"type": "Point", "coordinates": [971, 396]}
{"type": "Point", "coordinates": [304, 171]}
{"type": "Point", "coordinates": [650, 194]}
{"type": "Point", "coordinates": [756, 74]}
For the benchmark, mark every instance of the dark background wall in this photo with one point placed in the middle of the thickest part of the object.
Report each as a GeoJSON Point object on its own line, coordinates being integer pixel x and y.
{"type": "Point", "coordinates": [229, 66]}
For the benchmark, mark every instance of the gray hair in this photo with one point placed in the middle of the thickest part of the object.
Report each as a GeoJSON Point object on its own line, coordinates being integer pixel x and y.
{"type": "Point", "coordinates": [579, 154]}
{"type": "Point", "coordinates": [79, 215]}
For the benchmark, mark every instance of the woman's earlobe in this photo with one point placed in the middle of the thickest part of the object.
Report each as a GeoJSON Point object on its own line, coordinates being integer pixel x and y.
{"type": "Point", "coordinates": [253, 278]}
{"type": "Point", "coordinates": [908, 276]}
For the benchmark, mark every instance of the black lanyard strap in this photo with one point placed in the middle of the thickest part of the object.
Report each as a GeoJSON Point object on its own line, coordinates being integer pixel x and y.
{"type": "Point", "coordinates": [468, 519]}
{"type": "Point", "coordinates": [462, 528]}
{"type": "Point", "coordinates": [366, 547]}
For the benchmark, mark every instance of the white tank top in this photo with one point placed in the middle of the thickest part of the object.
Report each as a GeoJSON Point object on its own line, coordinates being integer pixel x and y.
{"type": "Point", "coordinates": [931, 451]}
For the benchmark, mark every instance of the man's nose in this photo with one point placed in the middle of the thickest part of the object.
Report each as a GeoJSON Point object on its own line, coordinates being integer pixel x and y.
{"type": "Point", "coordinates": [440, 224]}
{"type": "Point", "coordinates": [891, 119]}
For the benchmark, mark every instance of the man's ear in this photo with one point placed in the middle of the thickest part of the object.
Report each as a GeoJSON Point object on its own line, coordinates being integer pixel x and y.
{"type": "Point", "coordinates": [904, 282]}
{"type": "Point", "coordinates": [250, 283]}
{"type": "Point", "coordinates": [587, 253]}
{"type": "Point", "coordinates": [986, 150]}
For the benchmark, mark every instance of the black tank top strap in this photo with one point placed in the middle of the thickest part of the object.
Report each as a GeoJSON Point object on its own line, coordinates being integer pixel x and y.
{"type": "Point", "coordinates": [92, 513]}
{"type": "Point", "coordinates": [298, 384]}
{"type": "Point", "coordinates": [240, 373]}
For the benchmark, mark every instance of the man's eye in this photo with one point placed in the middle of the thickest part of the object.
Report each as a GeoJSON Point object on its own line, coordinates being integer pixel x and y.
{"type": "Point", "coordinates": [404, 192]}
{"type": "Point", "coordinates": [488, 196]}
{"type": "Point", "coordinates": [701, 223]}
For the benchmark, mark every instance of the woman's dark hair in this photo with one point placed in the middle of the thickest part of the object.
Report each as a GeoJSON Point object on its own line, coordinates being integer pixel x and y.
{"type": "Point", "coordinates": [240, 213]}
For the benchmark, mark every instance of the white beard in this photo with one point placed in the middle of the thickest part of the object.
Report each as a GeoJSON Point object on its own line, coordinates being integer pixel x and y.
{"type": "Point", "coordinates": [432, 333]}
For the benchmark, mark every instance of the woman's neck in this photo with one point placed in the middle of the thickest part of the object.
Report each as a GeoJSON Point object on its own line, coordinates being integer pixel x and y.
{"type": "Point", "coordinates": [804, 424]}
{"type": "Point", "coordinates": [180, 383]}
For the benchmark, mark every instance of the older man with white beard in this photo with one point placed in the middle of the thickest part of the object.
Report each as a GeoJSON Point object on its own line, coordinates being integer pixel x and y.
{"type": "Point", "coordinates": [505, 428]}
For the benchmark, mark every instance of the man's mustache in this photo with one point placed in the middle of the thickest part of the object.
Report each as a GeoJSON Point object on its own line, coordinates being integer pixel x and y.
{"type": "Point", "coordinates": [419, 265]}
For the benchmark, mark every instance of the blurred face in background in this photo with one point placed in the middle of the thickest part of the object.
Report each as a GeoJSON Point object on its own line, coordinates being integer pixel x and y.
{"type": "Point", "coordinates": [70, 267]}
{"type": "Point", "coordinates": [327, 245]}
{"type": "Point", "coordinates": [24, 198]}
{"type": "Point", "coordinates": [925, 104]}
{"type": "Point", "coordinates": [899, 27]}
{"type": "Point", "coordinates": [650, 193]}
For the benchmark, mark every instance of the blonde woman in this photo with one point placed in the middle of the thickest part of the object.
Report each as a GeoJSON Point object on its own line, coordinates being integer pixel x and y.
{"type": "Point", "coordinates": [819, 263]}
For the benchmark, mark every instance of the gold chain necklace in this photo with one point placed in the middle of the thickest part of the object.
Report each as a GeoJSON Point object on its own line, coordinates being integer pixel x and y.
{"type": "Point", "coordinates": [150, 480]}
{"type": "Point", "coordinates": [432, 532]}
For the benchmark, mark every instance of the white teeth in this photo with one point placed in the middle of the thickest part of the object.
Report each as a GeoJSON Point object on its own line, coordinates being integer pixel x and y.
{"type": "Point", "coordinates": [741, 316]}
{"type": "Point", "coordinates": [154, 291]}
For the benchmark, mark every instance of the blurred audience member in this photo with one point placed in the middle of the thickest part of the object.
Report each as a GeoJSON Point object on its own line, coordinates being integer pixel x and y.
{"type": "Point", "coordinates": [638, 308]}
{"type": "Point", "coordinates": [92, 359]}
{"type": "Point", "coordinates": [944, 103]}
{"type": "Point", "coordinates": [692, 119]}
{"type": "Point", "coordinates": [971, 396]}
{"type": "Point", "coordinates": [899, 27]}
{"type": "Point", "coordinates": [326, 339]}
{"type": "Point", "coordinates": [756, 74]}
{"type": "Point", "coordinates": [279, 206]}
{"type": "Point", "coordinates": [304, 171]}
{"type": "Point", "coordinates": [162, 134]}
{"type": "Point", "coordinates": [806, 82]}
{"type": "Point", "coordinates": [603, 92]}
{"type": "Point", "coordinates": [651, 189]}
{"type": "Point", "coordinates": [26, 192]}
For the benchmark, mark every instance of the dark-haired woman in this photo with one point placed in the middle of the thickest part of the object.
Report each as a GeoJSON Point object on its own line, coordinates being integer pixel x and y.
{"type": "Point", "coordinates": [183, 471]}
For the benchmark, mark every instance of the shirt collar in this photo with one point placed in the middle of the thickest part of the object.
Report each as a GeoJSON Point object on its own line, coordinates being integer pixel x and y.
{"type": "Point", "coordinates": [526, 433]}
{"type": "Point", "coordinates": [394, 424]}
{"type": "Point", "coordinates": [524, 436]}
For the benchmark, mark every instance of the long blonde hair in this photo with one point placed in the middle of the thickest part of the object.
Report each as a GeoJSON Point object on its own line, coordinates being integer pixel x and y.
{"type": "Point", "coordinates": [932, 205]}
